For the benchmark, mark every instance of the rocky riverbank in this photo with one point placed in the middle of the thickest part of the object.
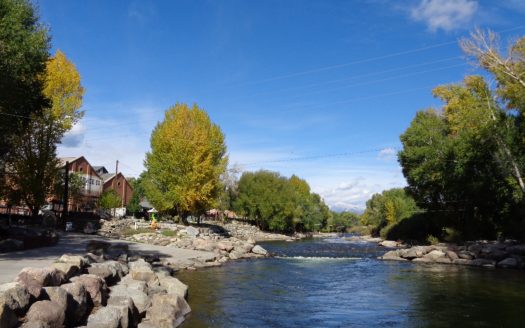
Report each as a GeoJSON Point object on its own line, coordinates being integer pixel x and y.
{"type": "Point", "coordinates": [228, 241]}
{"type": "Point", "coordinates": [488, 254]}
{"type": "Point", "coordinates": [105, 288]}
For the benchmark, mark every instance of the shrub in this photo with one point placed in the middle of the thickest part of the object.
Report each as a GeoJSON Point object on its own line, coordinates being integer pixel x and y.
{"type": "Point", "coordinates": [432, 240]}
{"type": "Point", "coordinates": [130, 231]}
{"type": "Point", "coordinates": [168, 233]}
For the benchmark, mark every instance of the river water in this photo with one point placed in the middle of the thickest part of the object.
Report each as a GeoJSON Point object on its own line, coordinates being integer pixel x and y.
{"type": "Point", "coordinates": [334, 282]}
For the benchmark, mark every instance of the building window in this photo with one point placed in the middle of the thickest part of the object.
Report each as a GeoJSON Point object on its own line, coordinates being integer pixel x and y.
{"type": "Point", "coordinates": [118, 184]}
{"type": "Point", "coordinates": [80, 169]}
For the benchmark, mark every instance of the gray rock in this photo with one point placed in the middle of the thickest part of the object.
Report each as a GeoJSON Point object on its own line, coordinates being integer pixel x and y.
{"type": "Point", "coordinates": [141, 270]}
{"type": "Point", "coordinates": [225, 246]}
{"type": "Point", "coordinates": [444, 260]}
{"type": "Point", "coordinates": [434, 255]}
{"type": "Point", "coordinates": [508, 263]}
{"type": "Point", "coordinates": [392, 256]}
{"type": "Point", "coordinates": [57, 295]}
{"type": "Point", "coordinates": [466, 255]}
{"type": "Point", "coordinates": [129, 315]}
{"type": "Point", "coordinates": [167, 310]}
{"type": "Point", "coordinates": [414, 252]}
{"type": "Point", "coordinates": [259, 250]}
{"type": "Point", "coordinates": [105, 317]}
{"type": "Point", "coordinates": [78, 306]}
{"type": "Point", "coordinates": [95, 286]}
{"type": "Point", "coordinates": [140, 299]}
{"type": "Point", "coordinates": [70, 264]}
{"type": "Point", "coordinates": [174, 286]}
{"type": "Point", "coordinates": [452, 255]}
{"type": "Point", "coordinates": [493, 252]}
{"type": "Point", "coordinates": [486, 263]}
{"type": "Point", "coordinates": [191, 231]}
{"type": "Point", "coordinates": [462, 261]}
{"type": "Point", "coordinates": [35, 324]}
{"type": "Point", "coordinates": [388, 243]}
{"type": "Point", "coordinates": [111, 271]}
{"type": "Point", "coordinates": [516, 249]}
{"type": "Point", "coordinates": [15, 296]}
{"type": "Point", "coordinates": [131, 283]}
{"type": "Point", "coordinates": [422, 260]}
{"type": "Point", "coordinates": [36, 278]}
{"type": "Point", "coordinates": [47, 312]}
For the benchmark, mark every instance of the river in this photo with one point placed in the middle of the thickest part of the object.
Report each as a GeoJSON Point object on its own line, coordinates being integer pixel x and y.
{"type": "Point", "coordinates": [333, 282]}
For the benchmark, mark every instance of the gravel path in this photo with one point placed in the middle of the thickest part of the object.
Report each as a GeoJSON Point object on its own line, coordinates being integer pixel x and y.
{"type": "Point", "coordinates": [12, 263]}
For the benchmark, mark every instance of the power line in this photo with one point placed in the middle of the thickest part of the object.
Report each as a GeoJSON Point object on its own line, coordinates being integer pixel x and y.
{"type": "Point", "coordinates": [365, 60]}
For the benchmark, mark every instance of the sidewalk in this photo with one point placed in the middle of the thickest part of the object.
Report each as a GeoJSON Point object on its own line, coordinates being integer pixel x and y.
{"type": "Point", "coordinates": [12, 263]}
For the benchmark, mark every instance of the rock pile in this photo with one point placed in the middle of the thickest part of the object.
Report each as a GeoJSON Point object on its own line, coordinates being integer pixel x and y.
{"type": "Point", "coordinates": [18, 238]}
{"type": "Point", "coordinates": [109, 290]}
{"type": "Point", "coordinates": [508, 254]}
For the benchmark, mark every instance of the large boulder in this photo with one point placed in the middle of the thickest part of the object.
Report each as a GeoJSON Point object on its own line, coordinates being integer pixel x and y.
{"type": "Point", "coordinates": [259, 250]}
{"type": "Point", "coordinates": [434, 255]}
{"type": "Point", "coordinates": [516, 249]}
{"type": "Point", "coordinates": [131, 283]}
{"type": "Point", "coordinates": [57, 295]}
{"type": "Point", "coordinates": [129, 315]}
{"type": "Point", "coordinates": [414, 252]}
{"type": "Point", "coordinates": [508, 263]}
{"type": "Point", "coordinates": [174, 286]}
{"type": "Point", "coordinates": [106, 317]}
{"type": "Point", "coordinates": [35, 324]}
{"type": "Point", "coordinates": [36, 278]}
{"type": "Point", "coordinates": [167, 310]}
{"type": "Point", "coordinates": [388, 243]}
{"type": "Point", "coordinates": [15, 296]}
{"type": "Point", "coordinates": [95, 286]}
{"type": "Point", "coordinates": [192, 232]}
{"type": "Point", "coordinates": [140, 298]}
{"type": "Point", "coordinates": [392, 256]}
{"type": "Point", "coordinates": [141, 270]}
{"type": "Point", "coordinates": [70, 264]}
{"type": "Point", "coordinates": [47, 312]}
{"type": "Point", "coordinates": [110, 271]}
{"type": "Point", "coordinates": [78, 305]}
{"type": "Point", "coordinates": [225, 246]}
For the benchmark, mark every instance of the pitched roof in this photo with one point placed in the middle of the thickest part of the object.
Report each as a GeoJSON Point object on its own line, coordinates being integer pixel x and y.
{"type": "Point", "coordinates": [63, 160]}
{"type": "Point", "coordinates": [100, 168]}
{"type": "Point", "coordinates": [107, 176]}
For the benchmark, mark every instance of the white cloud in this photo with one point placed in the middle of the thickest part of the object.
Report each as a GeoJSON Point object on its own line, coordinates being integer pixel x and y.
{"type": "Point", "coordinates": [75, 136]}
{"type": "Point", "coordinates": [387, 154]}
{"type": "Point", "coordinates": [447, 15]}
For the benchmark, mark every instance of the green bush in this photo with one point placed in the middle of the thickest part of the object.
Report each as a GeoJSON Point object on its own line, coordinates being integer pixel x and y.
{"type": "Point", "coordinates": [168, 233]}
{"type": "Point", "coordinates": [130, 231]}
{"type": "Point", "coordinates": [432, 240]}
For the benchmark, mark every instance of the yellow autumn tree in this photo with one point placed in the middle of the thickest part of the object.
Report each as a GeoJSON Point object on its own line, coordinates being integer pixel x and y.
{"type": "Point", "coordinates": [33, 157]}
{"type": "Point", "coordinates": [187, 158]}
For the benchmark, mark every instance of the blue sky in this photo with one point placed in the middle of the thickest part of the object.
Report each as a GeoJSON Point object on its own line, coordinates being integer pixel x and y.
{"type": "Point", "coordinates": [322, 89]}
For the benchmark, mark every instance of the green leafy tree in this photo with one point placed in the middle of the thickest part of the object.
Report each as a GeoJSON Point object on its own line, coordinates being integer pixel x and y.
{"type": "Point", "coordinates": [33, 158]}
{"type": "Point", "coordinates": [187, 158]}
{"type": "Point", "coordinates": [467, 159]}
{"type": "Point", "coordinates": [138, 194]}
{"type": "Point", "coordinates": [341, 221]}
{"type": "Point", "coordinates": [276, 203]}
{"type": "Point", "coordinates": [24, 50]}
{"type": "Point", "coordinates": [110, 200]}
{"type": "Point", "coordinates": [388, 208]}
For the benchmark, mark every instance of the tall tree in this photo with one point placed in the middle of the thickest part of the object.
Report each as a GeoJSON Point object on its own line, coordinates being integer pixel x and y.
{"type": "Point", "coordinates": [33, 159]}
{"type": "Point", "coordinates": [24, 50]}
{"type": "Point", "coordinates": [187, 158]}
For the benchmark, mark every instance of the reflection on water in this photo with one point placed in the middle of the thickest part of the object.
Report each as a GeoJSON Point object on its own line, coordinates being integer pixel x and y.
{"type": "Point", "coordinates": [336, 283]}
